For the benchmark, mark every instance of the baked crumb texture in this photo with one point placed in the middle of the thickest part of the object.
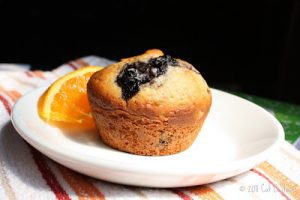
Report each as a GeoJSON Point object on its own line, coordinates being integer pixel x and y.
{"type": "Point", "coordinates": [164, 117]}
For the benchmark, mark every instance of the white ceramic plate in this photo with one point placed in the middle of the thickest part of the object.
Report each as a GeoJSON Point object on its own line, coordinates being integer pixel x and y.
{"type": "Point", "coordinates": [236, 136]}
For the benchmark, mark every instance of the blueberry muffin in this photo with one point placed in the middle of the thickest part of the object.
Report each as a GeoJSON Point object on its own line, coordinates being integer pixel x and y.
{"type": "Point", "coordinates": [151, 104]}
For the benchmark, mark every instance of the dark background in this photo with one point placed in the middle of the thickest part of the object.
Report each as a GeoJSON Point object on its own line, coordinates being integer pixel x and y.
{"type": "Point", "coordinates": [249, 46]}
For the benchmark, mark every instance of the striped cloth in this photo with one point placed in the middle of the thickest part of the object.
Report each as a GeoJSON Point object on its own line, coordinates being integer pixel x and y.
{"type": "Point", "coordinates": [27, 174]}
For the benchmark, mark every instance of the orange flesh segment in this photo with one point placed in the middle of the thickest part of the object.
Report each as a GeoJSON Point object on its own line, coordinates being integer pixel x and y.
{"type": "Point", "coordinates": [70, 102]}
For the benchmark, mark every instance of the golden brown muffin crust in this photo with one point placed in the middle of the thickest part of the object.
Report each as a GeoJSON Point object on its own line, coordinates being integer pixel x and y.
{"type": "Point", "coordinates": [173, 106]}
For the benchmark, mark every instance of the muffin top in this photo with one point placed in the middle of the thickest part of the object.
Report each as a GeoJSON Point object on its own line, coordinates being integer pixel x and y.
{"type": "Point", "coordinates": [151, 84]}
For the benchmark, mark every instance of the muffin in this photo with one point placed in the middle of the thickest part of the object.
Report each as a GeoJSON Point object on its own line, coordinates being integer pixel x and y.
{"type": "Point", "coordinates": [151, 104]}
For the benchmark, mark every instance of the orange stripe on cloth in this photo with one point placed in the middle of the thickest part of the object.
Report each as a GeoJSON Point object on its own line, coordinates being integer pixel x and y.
{"type": "Point", "coordinates": [16, 94]}
{"type": "Point", "coordinates": [7, 93]}
{"type": "Point", "coordinates": [12, 94]}
{"type": "Point", "coordinates": [39, 74]}
{"type": "Point", "coordinates": [287, 185]}
{"type": "Point", "coordinates": [81, 63]}
{"type": "Point", "coordinates": [81, 186]}
{"type": "Point", "coordinates": [29, 73]}
{"type": "Point", "coordinates": [205, 192]}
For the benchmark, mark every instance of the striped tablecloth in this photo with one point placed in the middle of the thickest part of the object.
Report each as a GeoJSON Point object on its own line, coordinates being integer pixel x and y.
{"type": "Point", "coordinates": [27, 174]}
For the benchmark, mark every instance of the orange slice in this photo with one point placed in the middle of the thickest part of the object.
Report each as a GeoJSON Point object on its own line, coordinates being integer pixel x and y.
{"type": "Point", "coordinates": [66, 99]}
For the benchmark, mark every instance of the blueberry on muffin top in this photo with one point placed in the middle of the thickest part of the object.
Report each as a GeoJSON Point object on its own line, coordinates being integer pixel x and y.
{"type": "Point", "coordinates": [134, 74]}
